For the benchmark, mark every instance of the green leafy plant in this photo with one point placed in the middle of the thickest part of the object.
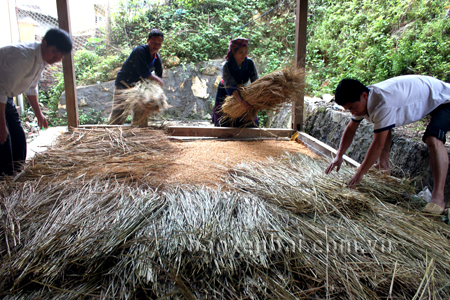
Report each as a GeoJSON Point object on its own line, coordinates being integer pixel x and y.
{"type": "Point", "coordinates": [92, 117]}
{"type": "Point", "coordinates": [375, 40]}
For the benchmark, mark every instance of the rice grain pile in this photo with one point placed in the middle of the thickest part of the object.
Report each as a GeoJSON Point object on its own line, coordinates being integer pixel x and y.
{"type": "Point", "coordinates": [144, 99]}
{"type": "Point", "coordinates": [268, 93]}
{"type": "Point", "coordinates": [283, 230]}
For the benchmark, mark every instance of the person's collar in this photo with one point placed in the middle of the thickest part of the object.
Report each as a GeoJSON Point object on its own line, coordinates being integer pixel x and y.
{"type": "Point", "coordinates": [367, 101]}
{"type": "Point", "coordinates": [235, 66]}
{"type": "Point", "coordinates": [148, 49]}
{"type": "Point", "coordinates": [39, 57]}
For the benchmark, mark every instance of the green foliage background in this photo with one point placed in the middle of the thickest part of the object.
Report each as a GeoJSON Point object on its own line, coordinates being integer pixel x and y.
{"type": "Point", "coordinates": [195, 30]}
{"type": "Point", "coordinates": [364, 39]}
{"type": "Point", "coordinates": [375, 40]}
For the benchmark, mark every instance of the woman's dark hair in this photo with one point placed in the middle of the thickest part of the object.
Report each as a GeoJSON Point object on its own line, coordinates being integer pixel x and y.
{"type": "Point", "coordinates": [349, 91]}
{"type": "Point", "coordinates": [60, 39]}
{"type": "Point", "coordinates": [155, 32]}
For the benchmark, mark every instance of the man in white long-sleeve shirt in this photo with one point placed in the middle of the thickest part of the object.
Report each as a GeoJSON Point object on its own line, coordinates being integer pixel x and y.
{"type": "Point", "coordinates": [21, 67]}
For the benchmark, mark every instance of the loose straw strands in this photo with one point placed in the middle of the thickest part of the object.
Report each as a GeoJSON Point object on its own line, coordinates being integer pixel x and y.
{"type": "Point", "coordinates": [122, 153]}
{"type": "Point", "coordinates": [67, 234]}
{"type": "Point", "coordinates": [342, 219]}
{"type": "Point", "coordinates": [106, 239]}
{"type": "Point", "coordinates": [268, 93]}
{"type": "Point", "coordinates": [144, 99]}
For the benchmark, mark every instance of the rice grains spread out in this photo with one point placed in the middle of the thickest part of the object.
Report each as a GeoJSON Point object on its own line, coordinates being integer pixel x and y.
{"type": "Point", "coordinates": [204, 162]}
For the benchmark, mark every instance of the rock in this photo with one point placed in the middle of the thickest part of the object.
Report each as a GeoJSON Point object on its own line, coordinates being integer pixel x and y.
{"type": "Point", "coordinates": [82, 102]}
{"type": "Point", "coordinates": [113, 74]}
{"type": "Point", "coordinates": [172, 61]}
{"type": "Point", "coordinates": [199, 88]}
{"type": "Point", "coordinates": [95, 98]}
{"type": "Point", "coordinates": [217, 82]}
{"type": "Point", "coordinates": [210, 70]}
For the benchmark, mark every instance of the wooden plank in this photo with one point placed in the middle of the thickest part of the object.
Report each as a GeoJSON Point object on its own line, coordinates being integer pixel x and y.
{"type": "Point", "coordinates": [300, 58]}
{"type": "Point", "coordinates": [215, 132]}
{"type": "Point", "coordinates": [206, 138]}
{"type": "Point", "coordinates": [323, 149]}
{"type": "Point", "coordinates": [101, 126]}
{"type": "Point", "coordinates": [68, 68]}
{"type": "Point", "coordinates": [228, 132]}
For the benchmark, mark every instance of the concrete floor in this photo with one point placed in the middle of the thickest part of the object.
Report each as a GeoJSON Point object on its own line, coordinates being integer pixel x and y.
{"type": "Point", "coordinates": [45, 139]}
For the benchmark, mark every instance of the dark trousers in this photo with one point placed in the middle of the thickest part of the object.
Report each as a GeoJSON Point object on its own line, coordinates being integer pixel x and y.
{"type": "Point", "coordinates": [13, 151]}
{"type": "Point", "coordinates": [117, 116]}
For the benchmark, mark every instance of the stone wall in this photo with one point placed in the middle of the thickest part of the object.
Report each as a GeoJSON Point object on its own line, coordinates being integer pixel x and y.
{"type": "Point", "coordinates": [190, 91]}
{"type": "Point", "coordinates": [409, 157]}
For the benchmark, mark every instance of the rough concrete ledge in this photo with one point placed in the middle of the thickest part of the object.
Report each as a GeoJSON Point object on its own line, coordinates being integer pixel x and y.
{"type": "Point", "coordinates": [409, 158]}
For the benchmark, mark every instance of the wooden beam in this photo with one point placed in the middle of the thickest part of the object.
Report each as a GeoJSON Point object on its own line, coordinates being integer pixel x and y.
{"type": "Point", "coordinates": [68, 68]}
{"type": "Point", "coordinates": [213, 132]}
{"type": "Point", "coordinates": [323, 149]}
{"type": "Point", "coordinates": [300, 59]}
{"type": "Point", "coordinates": [228, 132]}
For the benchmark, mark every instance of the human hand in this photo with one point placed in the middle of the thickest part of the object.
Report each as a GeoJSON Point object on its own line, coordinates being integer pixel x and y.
{"type": "Point", "coordinates": [3, 134]}
{"type": "Point", "coordinates": [337, 162]}
{"type": "Point", "coordinates": [246, 105]}
{"type": "Point", "coordinates": [159, 81]}
{"type": "Point", "coordinates": [156, 79]}
{"type": "Point", "coordinates": [356, 179]}
{"type": "Point", "coordinates": [42, 121]}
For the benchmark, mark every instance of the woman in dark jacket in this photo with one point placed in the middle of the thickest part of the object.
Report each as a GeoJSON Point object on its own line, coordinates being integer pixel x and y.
{"type": "Point", "coordinates": [237, 71]}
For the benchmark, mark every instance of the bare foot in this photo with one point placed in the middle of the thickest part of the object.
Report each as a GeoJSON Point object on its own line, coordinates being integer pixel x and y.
{"type": "Point", "coordinates": [438, 200]}
{"type": "Point", "coordinates": [383, 169]}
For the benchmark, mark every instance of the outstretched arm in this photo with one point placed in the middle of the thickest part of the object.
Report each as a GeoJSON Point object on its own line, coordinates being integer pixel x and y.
{"type": "Point", "coordinates": [374, 152]}
{"type": "Point", "coordinates": [156, 78]}
{"type": "Point", "coordinates": [346, 141]}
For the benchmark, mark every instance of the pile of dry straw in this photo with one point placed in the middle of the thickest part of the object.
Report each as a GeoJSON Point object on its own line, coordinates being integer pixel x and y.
{"type": "Point", "coordinates": [282, 229]}
{"type": "Point", "coordinates": [125, 154]}
{"type": "Point", "coordinates": [268, 93]}
{"type": "Point", "coordinates": [144, 99]}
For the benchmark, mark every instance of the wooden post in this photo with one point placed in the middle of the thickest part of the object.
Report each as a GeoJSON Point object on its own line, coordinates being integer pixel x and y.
{"type": "Point", "coordinates": [68, 68]}
{"type": "Point", "coordinates": [300, 58]}
{"type": "Point", "coordinates": [108, 28]}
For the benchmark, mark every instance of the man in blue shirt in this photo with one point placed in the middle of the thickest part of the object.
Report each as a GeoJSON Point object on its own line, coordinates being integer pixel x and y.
{"type": "Point", "coordinates": [144, 62]}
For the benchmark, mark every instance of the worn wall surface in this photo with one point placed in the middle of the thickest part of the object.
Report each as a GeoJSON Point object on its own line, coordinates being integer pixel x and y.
{"type": "Point", "coordinates": [190, 91]}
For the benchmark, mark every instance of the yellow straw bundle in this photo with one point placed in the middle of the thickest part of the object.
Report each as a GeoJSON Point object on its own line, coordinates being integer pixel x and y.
{"type": "Point", "coordinates": [144, 99]}
{"type": "Point", "coordinates": [268, 93]}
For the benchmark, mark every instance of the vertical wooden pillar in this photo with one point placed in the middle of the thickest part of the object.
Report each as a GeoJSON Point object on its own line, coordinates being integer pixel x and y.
{"type": "Point", "coordinates": [68, 68]}
{"type": "Point", "coordinates": [108, 28]}
{"type": "Point", "coordinates": [300, 58]}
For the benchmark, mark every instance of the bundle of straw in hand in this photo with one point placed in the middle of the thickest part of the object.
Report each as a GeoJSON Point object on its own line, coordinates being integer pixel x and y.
{"type": "Point", "coordinates": [268, 93]}
{"type": "Point", "coordinates": [144, 99]}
